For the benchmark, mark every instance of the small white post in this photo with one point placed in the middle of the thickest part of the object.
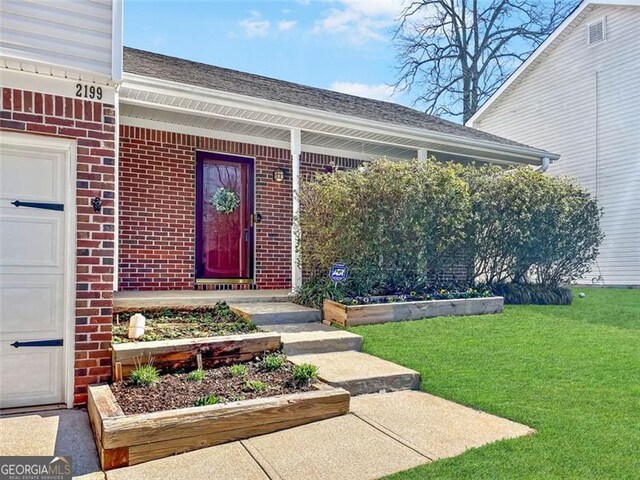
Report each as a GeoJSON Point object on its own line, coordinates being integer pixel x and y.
{"type": "Point", "coordinates": [423, 154]}
{"type": "Point", "coordinates": [296, 149]}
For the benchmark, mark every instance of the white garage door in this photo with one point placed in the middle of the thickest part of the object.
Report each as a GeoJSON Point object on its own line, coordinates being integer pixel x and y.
{"type": "Point", "coordinates": [33, 183]}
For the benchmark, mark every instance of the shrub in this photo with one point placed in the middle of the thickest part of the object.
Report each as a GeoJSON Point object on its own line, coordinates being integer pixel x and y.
{"type": "Point", "coordinates": [528, 227]}
{"type": "Point", "coordinates": [210, 399]}
{"type": "Point", "coordinates": [273, 362]}
{"type": "Point", "coordinates": [197, 375]}
{"type": "Point", "coordinates": [403, 226]}
{"type": "Point", "coordinates": [238, 370]}
{"type": "Point", "coordinates": [145, 375]}
{"type": "Point", "coordinates": [391, 223]}
{"type": "Point", "coordinates": [526, 293]}
{"type": "Point", "coordinates": [304, 373]}
{"type": "Point", "coordinates": [254, 386]}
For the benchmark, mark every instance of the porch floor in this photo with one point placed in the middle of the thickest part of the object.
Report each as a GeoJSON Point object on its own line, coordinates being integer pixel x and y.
{"type": "Point", "coordinates": [178, 298]}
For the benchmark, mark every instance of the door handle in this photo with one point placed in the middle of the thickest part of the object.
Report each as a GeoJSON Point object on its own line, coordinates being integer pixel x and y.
{"type": "Point", "coordinates": [246, 234]}
{"type": "Point", "coordinates": [38, 343]}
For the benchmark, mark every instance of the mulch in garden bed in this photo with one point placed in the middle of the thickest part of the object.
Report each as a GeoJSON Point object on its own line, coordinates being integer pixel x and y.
{"type": "Point", "coordinates": [176, 391]}
{"type": "Point", "coordinates": [172, 323]}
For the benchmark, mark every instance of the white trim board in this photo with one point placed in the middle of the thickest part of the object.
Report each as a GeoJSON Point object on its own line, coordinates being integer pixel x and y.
{"type": "Point", "coordinates": [64, 87]}
{"type": "Point", "coordinates": [116, 40]}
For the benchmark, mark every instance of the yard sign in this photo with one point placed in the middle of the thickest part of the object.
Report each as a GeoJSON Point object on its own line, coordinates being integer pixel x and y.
{"type": "Point", "coordinates": [338, 272]}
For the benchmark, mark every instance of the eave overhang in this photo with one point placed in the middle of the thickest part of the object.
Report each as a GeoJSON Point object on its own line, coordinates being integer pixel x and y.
{"type": "Point", "coordinates": [153, 99]}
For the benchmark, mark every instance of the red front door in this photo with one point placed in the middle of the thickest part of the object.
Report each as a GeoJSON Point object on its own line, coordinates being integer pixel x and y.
{"type": "Point", "coordinates": [224, 213]}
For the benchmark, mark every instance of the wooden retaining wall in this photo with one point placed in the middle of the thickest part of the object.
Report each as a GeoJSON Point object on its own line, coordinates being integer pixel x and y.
{"type": "Point", "coordinates": [124, 440]}
{"type": "Point", "coordinates": [351, 315]}
{"type": "Point", "coordinates": [171, 355]}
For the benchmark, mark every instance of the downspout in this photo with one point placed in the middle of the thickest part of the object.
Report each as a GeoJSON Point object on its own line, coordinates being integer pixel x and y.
{"type": "Point", "coordinates": [296, 149]}
{"type": "Point", "coordinates": [544, 165]}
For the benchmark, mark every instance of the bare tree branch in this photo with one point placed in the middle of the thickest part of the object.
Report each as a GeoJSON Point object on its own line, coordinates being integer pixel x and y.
{"type": "Point", "coordinates": [454, 54]}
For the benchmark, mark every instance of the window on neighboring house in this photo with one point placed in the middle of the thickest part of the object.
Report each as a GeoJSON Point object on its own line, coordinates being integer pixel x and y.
{"type": "Point", "coordinates": [596, 32]}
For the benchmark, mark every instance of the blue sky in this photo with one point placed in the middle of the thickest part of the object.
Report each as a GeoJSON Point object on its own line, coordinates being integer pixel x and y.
{"type": "Point", "coordinates": [343, 45]}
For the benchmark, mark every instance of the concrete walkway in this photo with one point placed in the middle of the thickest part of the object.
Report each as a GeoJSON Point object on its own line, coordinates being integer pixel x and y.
{"type": "Point", "coordinates": [383, 434]}
{"type": "Point", "coordinates": [64, 433]}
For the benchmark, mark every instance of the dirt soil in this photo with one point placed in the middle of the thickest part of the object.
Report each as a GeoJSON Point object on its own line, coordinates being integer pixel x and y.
{"type": "Point", "coordinates": [167, 324]}
{"type": "Point", "coordinates": [176, 391]}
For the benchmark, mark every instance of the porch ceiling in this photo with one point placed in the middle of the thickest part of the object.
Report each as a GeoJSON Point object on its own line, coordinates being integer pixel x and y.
{"type": "Point", "coordinates": [255, 133]}
{"type": "Point", "coordinates": [160, 104]}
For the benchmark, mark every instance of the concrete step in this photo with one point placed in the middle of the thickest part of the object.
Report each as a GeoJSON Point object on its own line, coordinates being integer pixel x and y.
{"type": "Point", "coordinates": [276, 313]}
{"type": "Point", "coordinates": [191, 298]}
{"type": "Point", "coordinates": [305, 338]}
{"type": "Point", "coordinates": [360, 373]}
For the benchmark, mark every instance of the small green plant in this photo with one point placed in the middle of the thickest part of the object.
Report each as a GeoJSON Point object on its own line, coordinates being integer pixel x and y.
{"type": "Point", "coordinates": [210, 399]}
{"type": "Point", "coordinates": [254, 386]}
{"type": "Point", "coordinates": [197, 375]}
{"type": "Point", "coordinates": [145, 375]}
{"type": "Point", "coordinates": [234, 397]}
{"type": "Point", "coordinates": [315, 290]}
{"type": "Point", "coordinates": [274, 361]}
{"type": "Point", "coordinates": [304, 373]}
{"type": "Point", "coordinates": [238, 370]}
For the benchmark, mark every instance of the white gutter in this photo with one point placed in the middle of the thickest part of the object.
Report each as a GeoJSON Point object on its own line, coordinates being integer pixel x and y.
{"type": "Point", "coordinates": [167, 88]}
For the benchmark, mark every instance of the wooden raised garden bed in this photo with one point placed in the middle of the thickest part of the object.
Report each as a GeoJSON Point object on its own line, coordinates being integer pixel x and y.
{"type": "Point", "coordinates": [351, 315]}
{"type": "Point", "coordinates": [171, 355]}
{"type": "Point", "coordinates": [124, 440]}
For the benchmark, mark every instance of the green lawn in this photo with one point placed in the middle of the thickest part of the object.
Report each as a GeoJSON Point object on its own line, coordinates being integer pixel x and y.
{"type": "Point", "coordinates": [570, 372]}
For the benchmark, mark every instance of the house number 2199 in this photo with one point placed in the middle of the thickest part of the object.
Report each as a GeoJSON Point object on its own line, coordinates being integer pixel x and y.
{"type": "Point", "coordinates": [88, 91]}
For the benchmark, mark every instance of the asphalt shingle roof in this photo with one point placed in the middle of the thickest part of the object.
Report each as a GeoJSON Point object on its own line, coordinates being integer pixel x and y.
{"type": "Point", "coordinates": [183, 71]}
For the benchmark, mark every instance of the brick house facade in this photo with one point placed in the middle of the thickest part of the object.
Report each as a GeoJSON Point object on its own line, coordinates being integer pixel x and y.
{"type": "Point", "coordinates": [157, 208]}
{"type": "Point", "coordinates": [92, 125]}
{"type": "Point", "coordinates": [137, 146]}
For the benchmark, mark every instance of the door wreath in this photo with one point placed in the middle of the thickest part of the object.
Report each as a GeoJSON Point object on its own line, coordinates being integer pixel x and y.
{"type": "Point", "coordinates": [225, 201]}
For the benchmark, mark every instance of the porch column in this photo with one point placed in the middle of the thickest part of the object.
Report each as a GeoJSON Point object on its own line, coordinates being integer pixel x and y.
{"type": "Point", "coordinates": [423, 154]}
{"type": "Point", "coordinates": [296, 148]}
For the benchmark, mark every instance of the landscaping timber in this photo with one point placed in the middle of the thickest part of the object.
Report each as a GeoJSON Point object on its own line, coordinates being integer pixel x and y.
{"type": "Point", "coordinates": [352, 315]}
{"type": "Point", "coordinates": [172, 355]}
{"type": "Point", "coordinates": [124, 440]}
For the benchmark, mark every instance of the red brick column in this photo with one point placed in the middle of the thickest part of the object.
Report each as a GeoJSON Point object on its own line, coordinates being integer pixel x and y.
{"type": "Point", "coordinates": [92, 125]}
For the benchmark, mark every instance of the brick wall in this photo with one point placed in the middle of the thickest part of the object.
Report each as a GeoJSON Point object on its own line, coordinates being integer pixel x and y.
{"type": "Point", "coordinates": [157, 208]}
{"type": "Point", "coordinates": [92, 125]}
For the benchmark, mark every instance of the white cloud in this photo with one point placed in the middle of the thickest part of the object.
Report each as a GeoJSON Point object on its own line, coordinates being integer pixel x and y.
{"type": "Point", "coordinates": [360, 21]}
{"type": "Point", "coordinates": [377, 92]}
{"type": "Point", "coordinates": [284, 25]}
{"type": "Point", "coordinates": [255, 26]}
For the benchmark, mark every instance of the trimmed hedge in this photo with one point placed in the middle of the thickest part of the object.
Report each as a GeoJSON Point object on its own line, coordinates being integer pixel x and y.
{"type": "Point", "coordinates": [401, 226]}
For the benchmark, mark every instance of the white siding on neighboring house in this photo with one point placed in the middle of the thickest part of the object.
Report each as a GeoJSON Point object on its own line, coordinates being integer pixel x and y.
{"type": "Point", "coordinates": [74, 36]}
{"type": "Point", "coordinates": [583, 102]}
